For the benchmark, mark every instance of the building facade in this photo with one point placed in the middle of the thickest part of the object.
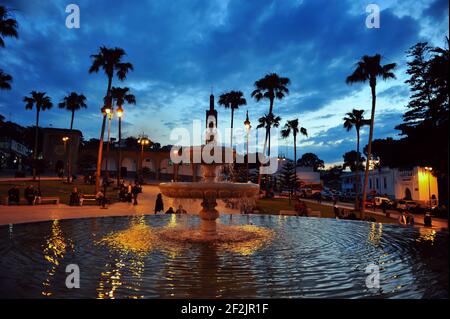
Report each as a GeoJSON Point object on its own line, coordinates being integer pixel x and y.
{"type": "Point", "coordinates": [416, 183]}
{"type": "Point", "coordinates": [57, 153]}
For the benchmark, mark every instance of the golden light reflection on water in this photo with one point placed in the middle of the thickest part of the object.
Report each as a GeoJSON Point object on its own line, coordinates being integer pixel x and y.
{"type": "Point", "coordinates": [131, 245]}
{"type": "Point", "coordinates": [427, 235]}
{"type": "Point", "coordinates": [258, 237]}
{"type": "Point", "coordinates": [375, 233]}
{"type": "Point", "coordinates": [137, 241]}
{"type": "Point", "coordinates": [54, 250]}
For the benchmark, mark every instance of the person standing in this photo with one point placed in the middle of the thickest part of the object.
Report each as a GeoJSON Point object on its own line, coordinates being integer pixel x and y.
{"type": "Point", "coordinates": [384, 208]}
{"type": "Point", "coordinates": [159, 205]}
{"type": "Point", "coordinates": [402, 219]}
{"type": "Point", "coordinates": [427, 220]}
{"type": "Point", "coordinates": [336, 209]}
{"type": "Point", "coordinates": [135, 191]}
{"type": "Point", "coordinates": [129, 192]}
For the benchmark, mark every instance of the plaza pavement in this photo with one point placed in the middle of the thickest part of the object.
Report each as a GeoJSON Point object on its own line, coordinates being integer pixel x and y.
{"type": "Point", "coordinates": [146, 204]}
{"type": "Point", "coordinates": [418, 219]}
{"type": "Point", "coordinates": [146, 200]}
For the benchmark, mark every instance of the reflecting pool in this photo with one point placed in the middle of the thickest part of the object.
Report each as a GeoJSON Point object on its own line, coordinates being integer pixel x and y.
{"type": "Point", "coordinates": [260, 256]}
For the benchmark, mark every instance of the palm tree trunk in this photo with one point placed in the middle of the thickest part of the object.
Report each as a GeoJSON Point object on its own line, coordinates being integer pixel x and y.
{"type": "Point", "coordinates": [100, 155]}
{"type": "Point", "coordinates": [231, 135]}
{"type": "Point", "coordinates": [36, 143]}
{"type": "Point", "coordinates": [295, 164]}
{"type": "Point", "coordinates": [71, 120]}
{"type": "Point", "coordinates": [69, 150]}
{"type": "Point", "coordinates": [369, 151]}
{"type": "Point", "coordinates": [271, 105]}
{"type": "Point", "coordinates": [102, 136]}
{"type": "Point", "coordinates": [357, 171]}
{"type": "Point", "coordinates": [264, 154]}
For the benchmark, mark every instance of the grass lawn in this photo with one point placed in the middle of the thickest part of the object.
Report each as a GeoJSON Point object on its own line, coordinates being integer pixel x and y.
{"type": "Point", "coordinates": [52, 189]}
{"type": "Point", "coordinates": [274, 205]}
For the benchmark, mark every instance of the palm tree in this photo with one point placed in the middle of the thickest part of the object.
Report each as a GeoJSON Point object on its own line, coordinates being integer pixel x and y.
{"type": "Point", "coordinates": [72, 103]}
{"type": "Point", "coordinates": [110, 61]}
{"type": "Point", "coordinates": [291, 127]}
{"type": "Point", "coordinates": [8, 26]}
{"type": "Point", "coordinates": [270, 87]}
{"type": "Point", "coordinates": [356, 119]}
{"type": "Point", "coordinates": [267, 121]}
{"type": "Point", "coordinates": [232, 100]}
{"type": "Point", "coordinates": [369, 68]}
{"type": "Point", "coordinates": [5, 81]}
{"type": "Point", "coordinates": [41, 102]}
{"type": "Point", "coordinates": [121, 96]}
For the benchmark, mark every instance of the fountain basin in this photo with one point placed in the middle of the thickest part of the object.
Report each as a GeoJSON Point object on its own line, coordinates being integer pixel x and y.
{"type": "Point", "coordinates": [217, 190]}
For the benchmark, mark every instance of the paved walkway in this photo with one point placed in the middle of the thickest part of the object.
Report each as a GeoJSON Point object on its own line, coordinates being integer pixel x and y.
{"type": "Point", "coordinates": [418, 219]}
{"type": "Point", "coordinates": [146, 200]}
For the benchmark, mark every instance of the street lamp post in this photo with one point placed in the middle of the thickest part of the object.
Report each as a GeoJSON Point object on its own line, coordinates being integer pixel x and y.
{"type": "Point", "coordinates": [143, 141]}
{"type": "Point", "coordinates": [65, 139]}
{"type": "Point", "coordinates": [247, 128]}
{"type": "Point", "coordinates": [429, 169]}
{"type": "Point", "coordinates": [119, 113]}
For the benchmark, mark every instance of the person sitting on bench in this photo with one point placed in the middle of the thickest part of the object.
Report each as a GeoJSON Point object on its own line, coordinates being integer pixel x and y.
{"type": "Point", "coordinates": [30, 195]}
{"type": "Point", "coordinates": [13, 195]}
{"type": "Point", "coordinates": [75, 197]}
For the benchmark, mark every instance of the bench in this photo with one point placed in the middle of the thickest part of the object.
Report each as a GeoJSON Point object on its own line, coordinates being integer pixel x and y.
{"type": "Point", "coordinates": [40, 200]}
{"type": "Point", "coordinates": [88, 198]}
{"type": "Point", "coordinates": [288, 212]}
{"type": "Point", "coordinates": [314, 213]}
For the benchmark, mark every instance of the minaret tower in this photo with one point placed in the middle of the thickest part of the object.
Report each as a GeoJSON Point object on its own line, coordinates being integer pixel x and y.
{"type": "Point", "coordinates": [211, 120]}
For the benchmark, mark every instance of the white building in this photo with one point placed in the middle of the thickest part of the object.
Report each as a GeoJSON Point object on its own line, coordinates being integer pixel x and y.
{"type": "Point", "coordinates": [305, 175]}
{"type": "Point", "coordinates": [417, 184]}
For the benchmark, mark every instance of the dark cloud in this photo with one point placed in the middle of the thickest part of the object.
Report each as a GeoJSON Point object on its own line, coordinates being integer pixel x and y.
{"type": "Point", "coordinates": [181, 48]}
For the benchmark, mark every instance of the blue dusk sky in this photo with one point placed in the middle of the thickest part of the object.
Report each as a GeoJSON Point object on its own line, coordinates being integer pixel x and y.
{"type": "Point", "coordinates": [182, 48]}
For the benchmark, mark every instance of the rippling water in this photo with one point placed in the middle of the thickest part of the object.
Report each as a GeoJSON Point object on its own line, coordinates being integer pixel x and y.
{"type": "Point", "coordinates": [304, 258]}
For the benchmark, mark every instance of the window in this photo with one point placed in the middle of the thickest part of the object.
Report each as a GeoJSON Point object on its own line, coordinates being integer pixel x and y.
{"type": "Point", "coordinates": [378, 186]}
{"type": "Point", "coordinates": [384, 182]}
{"type": "Point", "coordinates": [370, 183]}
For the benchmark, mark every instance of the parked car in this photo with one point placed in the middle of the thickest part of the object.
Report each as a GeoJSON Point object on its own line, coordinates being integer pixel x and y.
{"type": "Point", "coordinates": [406, 205]}
{"type": "Point", "coordinates": [379, 201]}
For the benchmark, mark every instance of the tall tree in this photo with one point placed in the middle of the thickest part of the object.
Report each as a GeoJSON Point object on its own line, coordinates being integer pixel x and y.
{"type": "Point", "coordinates": [121, 96]}
{"type": "Point", "coordinates": [369, 68]}
{"type": "Point", "coordinates": [41, 102]}
{"type": "Point", "coordinates": [354, 161]}
{"type": "Point", "coordinates": [72, 103]}
{"type": "Point", "coordinates": [355, 119]}
{"type": "Point", "coordinates": [311, 160]}
{"type": "Point", "coordinates": [8, 26]}
{"type": "Point", "coordinates": [232, 100]}
{"type": "Point", "coordinates": [289, 177]}
{"type": "Point", "coordinates": [270, 87]}
{"type": "Point", "coordinates": [291, 127]}
{"type": "Point", "coordinates": [5, 81]}
{"type": "Point", "coordinates": [110, 61]}
{"type": "Point", "coordinates": [267, 121]}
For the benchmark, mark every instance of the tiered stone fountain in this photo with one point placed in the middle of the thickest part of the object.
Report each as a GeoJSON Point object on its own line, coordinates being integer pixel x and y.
{"type": "Point", "coordinates": [209, 190]}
